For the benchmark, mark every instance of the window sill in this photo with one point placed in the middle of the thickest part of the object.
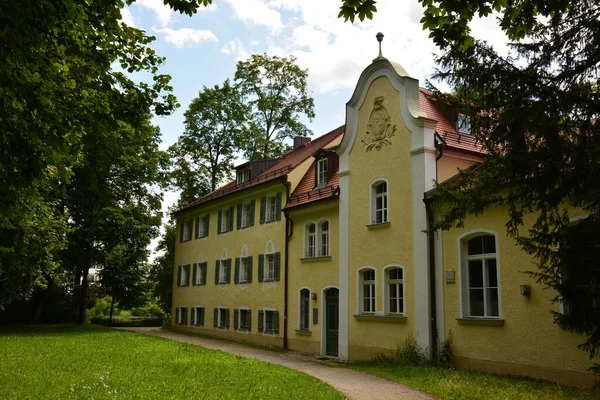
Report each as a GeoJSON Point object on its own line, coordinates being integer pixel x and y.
{"type": "Point", "coordinates": [202, 237]}
{"type": "Point", "coordinates": [379, 225]}
{"type": "Point", "coordinates": [315, 259]}
{"type": "Point", "coordinates": [481, 321]}
{"type": "Point", "coordinates": [401, 319]}
{"type": "Point", "coordinates": [303, 332]}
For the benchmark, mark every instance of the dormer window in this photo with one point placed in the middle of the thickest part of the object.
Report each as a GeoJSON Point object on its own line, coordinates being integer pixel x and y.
{"type": "Point", "coordinates": [243, 176]}
{"type": "Point", "coordinates": [462, 124]}
{"type": "Point", "coordinates": [322, 166]}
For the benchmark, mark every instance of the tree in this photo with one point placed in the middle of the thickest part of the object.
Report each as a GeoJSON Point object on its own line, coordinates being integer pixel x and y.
{"type": "Point", "coordinates": [276, 91]}
{"type": "Point", "coordinates": [204, 153]}
{"type": "Point", "coordinates": [535, 113]}
{"type": "Point", "coordinates": [161, 270]}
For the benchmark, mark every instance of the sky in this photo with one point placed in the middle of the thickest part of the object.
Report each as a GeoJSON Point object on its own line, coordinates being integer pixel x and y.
{"type": "Point", "coordinates": [202, 50]}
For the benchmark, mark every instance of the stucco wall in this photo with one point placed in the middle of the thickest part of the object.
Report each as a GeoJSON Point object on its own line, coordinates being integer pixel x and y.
{"type": "Point", "coordinates": [452, 161]}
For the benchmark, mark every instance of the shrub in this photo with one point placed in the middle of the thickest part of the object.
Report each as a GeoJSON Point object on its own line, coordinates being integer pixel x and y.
{"type": "Point", "coordinates": [166, 324]}
{"type": "Point", "coordinates": [150, 309]}
{"type": "Point", "coordinates": [409, 352]}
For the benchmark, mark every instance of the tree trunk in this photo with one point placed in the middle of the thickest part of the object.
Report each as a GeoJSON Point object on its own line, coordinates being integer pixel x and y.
{"type": "Point", "coordinates": [112, 307]}
{"type": "Point", "coordinates": [83, 298]}
{"type": "Point", "coordinates": [43, 298]}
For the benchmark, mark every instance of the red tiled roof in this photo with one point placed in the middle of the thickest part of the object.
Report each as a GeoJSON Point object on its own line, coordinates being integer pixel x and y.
{"type": "Point", "coordinates": [307, 193]}
{"type": "Point", "coordinates": [444, 128]}
{"type": "Point", "coordinates": [287, 162]}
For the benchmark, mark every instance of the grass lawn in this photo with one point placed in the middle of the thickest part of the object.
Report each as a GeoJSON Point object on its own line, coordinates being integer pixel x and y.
{"type": "Point", "coordinates": [466, 385]}
{"type": "Point", "coordinates": [69, 362]}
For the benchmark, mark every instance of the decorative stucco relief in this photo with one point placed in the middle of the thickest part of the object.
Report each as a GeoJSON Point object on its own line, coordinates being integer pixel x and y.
{"type": "Point", "coordinates": [379, 129]}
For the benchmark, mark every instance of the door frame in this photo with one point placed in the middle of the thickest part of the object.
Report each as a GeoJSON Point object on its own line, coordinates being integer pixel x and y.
{"type": "Point", "coordinates": [324, 319]}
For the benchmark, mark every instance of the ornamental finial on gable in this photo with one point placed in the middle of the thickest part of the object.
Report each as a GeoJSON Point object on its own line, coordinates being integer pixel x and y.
{"type": "Point", "coordinates": [379, 37]}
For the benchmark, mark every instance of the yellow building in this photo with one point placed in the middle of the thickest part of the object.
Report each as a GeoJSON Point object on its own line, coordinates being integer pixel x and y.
{"type": "Point", "coordinates": [324, 249]}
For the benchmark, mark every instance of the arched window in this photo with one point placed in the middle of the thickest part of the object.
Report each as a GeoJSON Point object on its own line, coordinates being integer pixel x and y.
{"type": "Point", "coordinates": [304, 310]}
{"type": "Point", "coordinates": [311, 241]}
{"type": "Point", "coordinates": [394, 290]}
{"type": "Point", "coordinates": [480, 276]}
{"type": "Point", "coordinates": [367, 290]}
{"type": "Point", "coordinates": [324, 244]}
{"type": "Point", "coordinates": [379, 202]}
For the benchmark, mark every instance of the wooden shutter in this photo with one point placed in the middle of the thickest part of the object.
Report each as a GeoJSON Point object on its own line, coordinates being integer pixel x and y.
{"type": "Point", "coordinates": [236, 314]}
{"type": "Point", "coordinates": [249, 319]}
{"type": "Point", "coordinates": [228, 270]}
{"type": "Point", "coordinates": [263, 209]}
{"type": "Point", "coordinates": [176, 315]}
{"type": "Point", "coordinates": [201, 318]}
{"type": "Point", "coordinates": [215, 318]}
{"type": "Point", "coordinates": [249, 268]}
{"type": "Point", "coordinates": [187, 274]}
{"type": "Point", "coordinates": [219, 221]}
{"type": "Point", "coordinates": [315, 316]}
{"type": "Point", "coordinates": [217, 272]}
{"type": "Point", "coordinates": [277, 262]}
{"type": "Point", "coordinates": [181, 232]}
{"type": "Point", "coordinates": [236, 276]}
{"type": "Point", "coordinates": [276, 322]}
{"type": "Point", "coordinates": [252, 207]}
{"type": "Point", "coordinates": [278, 206]}
{"type": "Point", "coordinates": [239, 216]}
{"type": "Point", "coordinates": [261, 267]}
{"type": "Point", "coordinates": [193, 315]}
{"type": "Point", "coordinates": [230, 222]}
{"type": "Point", "coordinates": [206, 224]}
{"type": "Point", "coordinates": [195, 274]}
{"type": "Point", "coordinates": [261, 317]}
{"type": "Point", "coordinates": [204, 267]}
{"type": "Point", "coordinates": [226, 311]}
{"type": "Point", "coordinates": [184, 312]}
{"type": "Point", "coordinates": [197, 227]}
{"type": "Point", "coordinates": [179, 275]}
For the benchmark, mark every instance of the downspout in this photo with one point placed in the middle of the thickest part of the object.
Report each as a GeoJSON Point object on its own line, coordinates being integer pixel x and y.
{"type": "Point", "coordinates": [432, 292]}
{"type": "Point", "coordinates": [289, 230]}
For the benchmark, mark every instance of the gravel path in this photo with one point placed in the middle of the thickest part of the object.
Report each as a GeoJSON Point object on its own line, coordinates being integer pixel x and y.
{"type": "Point", "coordinates": [353, 384]}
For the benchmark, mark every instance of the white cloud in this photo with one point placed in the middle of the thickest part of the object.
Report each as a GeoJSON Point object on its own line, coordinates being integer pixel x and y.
{"type": "Point", "coordinates": [187, 37]}
{"type": "Point", "coordinates": [162, 12]}
{"type": "Point", "coordinates": [256, 12]}
{"type": "Point", "coordinates": [127, 18]}
{"type": "Point", "coordinates": [235, 48]}
{"type": "Point", "coordinates": [209, 8]}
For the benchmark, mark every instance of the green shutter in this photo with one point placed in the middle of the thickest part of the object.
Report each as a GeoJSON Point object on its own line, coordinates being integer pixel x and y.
{"type": "Point", "coordinates": [179, 275]}
{"type": "Point", "coordinates": [239, 216]}
{"type": "Point", "coordinates": [261, 317]}
{"type": "Point", "coordinates": [201, 318]}
{"type": "Point", "coordinates": [230, 223]}
{"type": "Point", "coordinates": [236, 314]}
{"type": "Point", "coordinates": [263, 209]}
{"type": "Point", "coordinates": [226, 311]}
{"type": "Point", "coordinates": [315, 316]}
{"type": "Point", "coordinates": [204, 267]}
{"type": "Point", "coordinates": [215, 317]}
{"type": "Point", "coordinates": [187, 275]}
{"type": "Point", "coordinates": [278, 206]}
{"type": "Point", "coordinates": [197, 227]}
{"type": "Point", "coordinates": [219, 221]}
{"type": "Point", "coordinates": [185, 315]}
{"type": "Point", "coordinates": [249, 319]}
{"type": "Point", "coordinates": [249, 268]}
{"type": "Point", "coordinates": [217, 272]}
{"type": "Point", "coordinates": [176, 314]}
{"type": "Point", "coordinates": [207, 224]}
{"type": "Point", "coordinates": [181, 232]}
{"type": "Point", "coordinates": [195, 274]}
{"type": "Point", "coordinates": [193, 315]}
{"type": "Point", "coordinates": [275, 322]}
{"type": "Point", "coordinates": [228, 271]}
{"type": "Point", "coordinates": [252, 207]}
{"type": "Point", "coordinates": [261, 267]}
{"type": "Point", "coordinates": [277, 270]}
{"type": "Point", "coordinates": [236, 278]}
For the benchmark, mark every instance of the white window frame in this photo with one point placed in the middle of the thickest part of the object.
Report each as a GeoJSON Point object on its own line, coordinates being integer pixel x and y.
{"type": "Point", "coordinates": [267, 312]}
{"type": "Point", "coordinates": [374, 196]}
{"type": "Point", "coordinates": [221, 312]}
{"type": "Point", "coordinates": [197, 315]}
{"type": "Point", "coordinates": [271, 208]}
{"type": "Point", "coordinates": [188, 228]}
{"type": "Point", "coordinates": [308, 324]}
{"type": "Point", "coordinates": [269, 267]}
{"type": "Point", "coordinates": [202, 231]}
{"type": "Point", "coordinates": [183, 278]}
{"type": "Point", "coordinates": [243, 270]}
{"type": "Point", "coordinates": [239, 321]}
{"type": "Point", "coordinates": [361, 283]}
{"type": "Point", "coordinates": [242, 176]}
{"type": "Point", "coordinates": [246, 212]}
{"type": "Point", "coordinates": [314, 241]}
{"type": "Point", "coordinates": [322, 168]}
{"type": "Point", "coordinates": [311, 240]}
{"type": "Point", "coordinates": [179, 316]}
{"type": "Point", "coordinates": [225, 220]}
{"type": "Point", "coordinates": [460, 126]}
{"type": "Point", "coordinates": [463, 259]}
{"type": "Point", "coordinates": [222, 271]}
{"type": "Point", "coordinates": [387, 282]}
{"type": "Point", "coordinates": [324, 247]}
{"type": "Point", "coordinates": [198, 274]}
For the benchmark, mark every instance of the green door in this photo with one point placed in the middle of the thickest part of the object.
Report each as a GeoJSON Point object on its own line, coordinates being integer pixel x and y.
{"type": "Point", "coordinates": [331, 322]}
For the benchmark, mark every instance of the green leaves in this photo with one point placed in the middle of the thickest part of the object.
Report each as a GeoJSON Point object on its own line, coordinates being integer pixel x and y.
{"type": "Point", "coordinates": [363, 8]}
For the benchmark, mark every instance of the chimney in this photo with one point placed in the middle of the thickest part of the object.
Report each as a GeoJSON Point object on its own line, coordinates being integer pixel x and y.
{"type": "Point", "coordinates": [300, 141]}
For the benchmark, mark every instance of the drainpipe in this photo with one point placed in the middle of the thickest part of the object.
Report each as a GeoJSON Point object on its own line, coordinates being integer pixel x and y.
{"type": "Point", "coordinates": [432, 300]}
{"type": "Point", "coordinates": [289, 230]}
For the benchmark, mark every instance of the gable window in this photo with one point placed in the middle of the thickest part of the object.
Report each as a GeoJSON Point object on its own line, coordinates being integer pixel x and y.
{"type": "Point", "coordinates": [480, 276]}
{"type": "Point", "coordinates": [268, 321]}
{"type": "Point", "coordinates": [367, 287]}
{"type": "Point", "coordinates": [221, 318]}
{"type": "Point", "coordinates": [270, 208]}
{"type": "Point", "coordinates": [184, 275]}
{"type": "Point", "coordinates": [198, 316]}
{"type": "Point", "coordinates": [242, 176]}
{"type": "Point", "coordinates": [324, 244]}
{"type": "Point", "coordinates": [268, 267]}
{"type": "Point", "coordinates": [223, 271]}
{"type": "Point", "coordinates": [462, 124]}
{"type": "Point", "coordinates": [202, 226]}
{"type": "Point", "coordinates": [322, 167]}
{"type": "Point", "coordinates": [243, 270]}
{"type": "Point", "coordinates": [304, 312]}
{"type": "Point", "coordinates": [186, 230]}
{"type": "Point", "coordinates": [311, 241]}
{"type": "Point", "coordinates": [395, 290]}
{"type": "Point", "coordinates": [199, 274]}
{"type": "Point", "coordinates": [245, 215]}
{"type": "Point", "coordinates": [379, 203]}
{"type": "Point", "coordinates": [181, 316]}
{"type": "Point", "coordinates": [242, 319]}
{"type": "Point", "coordinates": [225, 219]}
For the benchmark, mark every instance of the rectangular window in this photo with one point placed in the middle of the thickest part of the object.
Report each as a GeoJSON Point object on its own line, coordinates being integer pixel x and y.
{"type": "Point", "coordinates": [322, 167]}
{"type": "Point", "coordinates": [242, 176]}
{"type": "Point", "coordinates": [396, 291]}
{"type": "Point", "coordinates": [304, 310]}
{"type": "Point", "coordinates": [200, 274]}
{"type": "Point", "coordinates": [223, 271]}
{"type": "Point", "coordinates": [368, 284]}
{"type": "Point", "coordinates": [269, 267]}
{"type": "Point", "coordinates": [481, 275]}
{"type": "Point", "coordinates": [198, 316]}
{"type": "Point", "coordinates": [225, 220]}
{"type": "Point", "coordinates": [246, 214]}
{"type": "Point", "coordinates": [380, 205]}
{"type": "Point", "coordinates": [269, 322]}
{"type": "Point", "coordinates": [243, 277]}
{"type": "Point", "coordinates": [181, 316]}
{"type": "Point", "coordinates": [324, 245]}
{"type": "Point", "coordinates": [184, 275]}
{"type": "Point", "coordinates": [311, 241]}
{"type": "Point", "coordinates": [187, 230]}
{"type": "Point", "coordinates": [271, 209]}
{"type": "Point", "coordinates": [244, 320]}
{"type": "Point", "coordinates": [462, 124]}
{"type": "Point", "coordinates": [223, 318]}
{"type": "Point", "coordinates": [202, 226]}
